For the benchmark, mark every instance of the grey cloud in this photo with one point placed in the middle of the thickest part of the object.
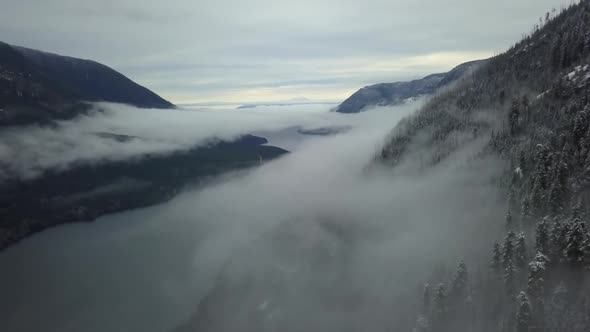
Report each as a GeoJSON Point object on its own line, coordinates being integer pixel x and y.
{"type": "Point", "coordinates": [262, 40]}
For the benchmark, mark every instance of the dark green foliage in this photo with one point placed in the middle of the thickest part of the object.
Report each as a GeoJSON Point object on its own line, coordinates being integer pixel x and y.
{"type": "Point", "coordinates": [508, 250]}
{"type": "Point", "coordinates": [422, 325]}
{"type": "Point", "coordinates": [509, 279]}
{"type": "Point", "coordinates": [459, 284]}
{"type": "Point", "coordinates": [558, 242]}
{"type": "Point", "coordinates": [523, 313]}
{"type": "Point", "coordinates": [526, 211]}
{"type": "Point", "coordinates": [520, 253]}
{"type": "Point", "coordinates": [577, 243]}
{"type": "Point", "coordinates": [439, 307]}
{"type": "Point", "coordinates": [536, 278]}
{"type": "Point", "coordinates": [514, 117]}
{"type": "Point", "coordinates": [542, 237]}
{"type": "Point", "coordinates": [496, 262]}
{"type": "Point", "coordinates": [522, 163]}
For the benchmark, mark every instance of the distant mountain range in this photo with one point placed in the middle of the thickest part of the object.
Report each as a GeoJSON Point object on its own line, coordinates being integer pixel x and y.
{"type": "Point", "coordinates": [286, 103]}
{"type": "Point", "coordinates": [384, 94]}
{"type": "Point", "coordinates": [36, 86]}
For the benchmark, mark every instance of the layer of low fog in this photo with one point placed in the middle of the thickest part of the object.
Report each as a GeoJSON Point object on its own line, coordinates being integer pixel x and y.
{"type": "Point", "coordinates": [27, 152]}
{"type": "Point", "coordinates": [342, 246]}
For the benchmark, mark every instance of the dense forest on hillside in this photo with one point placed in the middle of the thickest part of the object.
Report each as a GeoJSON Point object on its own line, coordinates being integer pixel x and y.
{"type": "Point", "coordinates": [529, 106]}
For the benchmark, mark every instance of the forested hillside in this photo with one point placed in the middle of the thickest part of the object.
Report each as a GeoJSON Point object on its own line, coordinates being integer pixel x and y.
{"type": "Point", "coordinates": [530, 107]}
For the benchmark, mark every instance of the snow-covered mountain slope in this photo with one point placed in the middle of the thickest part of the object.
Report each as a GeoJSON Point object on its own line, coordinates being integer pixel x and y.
{"type": "Point", "coordinates": [395, 93]}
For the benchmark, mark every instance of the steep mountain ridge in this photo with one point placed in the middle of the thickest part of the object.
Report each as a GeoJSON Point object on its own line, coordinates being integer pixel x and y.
{"type": "Point", "coordinates": [383, 94]}
{"type": "Point", "coordinates": [529, 107]}
{"type": "Point", "coordinates": [93, 81]}
{"type": "Point", "coordinates": [36, 87]}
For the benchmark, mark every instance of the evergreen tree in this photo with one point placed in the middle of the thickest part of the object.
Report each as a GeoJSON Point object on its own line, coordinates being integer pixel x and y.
{"type": "Point", "coordinates": [558, 242]}
{"type": "Point", "coordinates": [523, 313]}
{"type": "Point", "coordinates": [580, 127]}
{"type": "Point", "coordinates": [522, 162]}
{"type": "Point", "coordinates": [555, 197]}
{"type": "Point", "coordinates": [520, 253]}
{"type": "Point", "coordinates": [558, 187]}
{"type": "Point", "coordinates": [496, 262]}
{"type": "Point", "coordinates": [526, 211]}
{"type": "Point", "coordinates": [509, 279]}
{"type": "Point", "coordinates": [459, 283]}
{"type": "Point", "coordinates": [542, 237]}
{"type": "Point", "coordinates": [422, 325]}
{"type": "Point", "coordinates": [513, 116]}
{"type": "Point", "coordinates": [525, 108]}
{"type": "Point", "coordinates": [439, 307]}
{"type": "Point", "coordinates": [584, 148]}
{"type": "Point", "coordinates": [540, 178]}
{"type": "Point", "coordinates": [508, 250]}
{"type": "Point", "coordinates": [536, 282]}
{"type": "Point", "coordinates": [577, 210]}
{"type": "Point", "coordinates": [577, 242]}
{"type": "Point", "coordinates": [426, 299]}
{"type": "Point", "coordinates": [537, 195]}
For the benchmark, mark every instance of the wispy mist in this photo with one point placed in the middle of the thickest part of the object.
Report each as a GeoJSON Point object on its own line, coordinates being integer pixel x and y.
{"type": "Point", "coordinates": [27, 152]}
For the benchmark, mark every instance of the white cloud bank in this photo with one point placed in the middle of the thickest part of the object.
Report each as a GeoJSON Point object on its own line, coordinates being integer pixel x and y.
{"type": "Point", "coordinates": [29, 151]}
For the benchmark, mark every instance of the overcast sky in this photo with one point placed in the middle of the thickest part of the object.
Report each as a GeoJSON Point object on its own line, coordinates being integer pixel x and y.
{"type": "Point", "coordinates": [267, 50]}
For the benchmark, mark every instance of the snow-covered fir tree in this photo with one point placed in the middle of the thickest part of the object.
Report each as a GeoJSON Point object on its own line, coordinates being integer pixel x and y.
{"type": "Point", "coordinates": [536, 284]}
{"type": "Point", "coordinates": [460, 283]}
{"type": "Point", "coordinates": [508, 250]}
{"type": "Point", "coordinates": [510, 279]}
{"type": "Point", "coordinates": [577, 244]}
{"type": "Point", "coordinates": [439, 308]}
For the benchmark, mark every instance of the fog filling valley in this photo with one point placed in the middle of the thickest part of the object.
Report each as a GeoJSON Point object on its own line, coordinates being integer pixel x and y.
{"type": "Point", "coordinates": [26, 153]}
{"type": "Point", "coordinates": [321, 239]}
